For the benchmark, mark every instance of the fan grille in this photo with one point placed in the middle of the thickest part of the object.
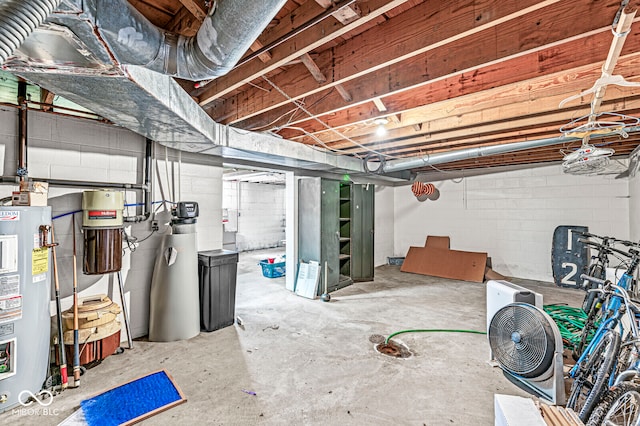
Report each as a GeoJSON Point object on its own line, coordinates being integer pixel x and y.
{"type": "Point", "coordinates": [522, 340]}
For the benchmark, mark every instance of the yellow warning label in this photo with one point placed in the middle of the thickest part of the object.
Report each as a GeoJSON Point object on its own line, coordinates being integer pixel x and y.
{"type": "Point", "coordinates": [40, 261]}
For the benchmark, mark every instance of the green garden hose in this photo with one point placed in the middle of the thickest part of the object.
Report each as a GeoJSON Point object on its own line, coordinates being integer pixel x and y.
{"type": "Point", "coordinates": [432, 330]}
{"type": "Point", "coordinates": [570, 322]}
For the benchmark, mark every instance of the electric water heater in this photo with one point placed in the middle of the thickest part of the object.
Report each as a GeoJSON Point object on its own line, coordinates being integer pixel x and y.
{"type": "Point", "coordinates": [25, 290]}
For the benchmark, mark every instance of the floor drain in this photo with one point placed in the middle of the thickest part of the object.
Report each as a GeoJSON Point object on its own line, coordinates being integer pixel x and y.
{"type": "Point", "coordinates": [393, 349]}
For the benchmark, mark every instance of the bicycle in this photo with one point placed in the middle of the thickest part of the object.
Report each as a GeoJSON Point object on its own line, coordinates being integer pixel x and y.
{"type": "Point", "coordinates": [592, 372]}
{"type": "Point", "coordinates": [593, 301]}
{"type": "Point", "coordinates": [620, 404]}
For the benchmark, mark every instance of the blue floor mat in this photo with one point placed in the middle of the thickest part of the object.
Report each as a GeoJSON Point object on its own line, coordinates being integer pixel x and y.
{"type": "Point", "coordinates": [133, 401]}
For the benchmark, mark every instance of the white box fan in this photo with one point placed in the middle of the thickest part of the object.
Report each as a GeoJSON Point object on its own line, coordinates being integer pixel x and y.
{"type": "Point", "coordinates": [501, 293]}
{"type": "Point", "coordinates": [524, 340]}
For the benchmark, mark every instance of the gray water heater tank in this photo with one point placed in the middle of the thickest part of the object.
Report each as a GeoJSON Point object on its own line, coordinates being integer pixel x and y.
{"type": "Point", "coordinates": [25, 291]}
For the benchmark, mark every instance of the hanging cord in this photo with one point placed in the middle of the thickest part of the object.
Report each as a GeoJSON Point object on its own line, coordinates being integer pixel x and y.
{"type": "Point", "coordinates": [432, 330]}
{"type": "Point", "coordinates": [321, 142]}
{"type": "Point", "coordinates": [325, 125]}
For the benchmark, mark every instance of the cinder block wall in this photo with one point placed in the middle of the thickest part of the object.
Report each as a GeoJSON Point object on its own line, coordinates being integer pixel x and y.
{"type": "Point", "coordinates": [512, 215]}
{"type": "Point", "coordinates": [261, 213]}
{"type": "Point", "coordinates": [78, 149]}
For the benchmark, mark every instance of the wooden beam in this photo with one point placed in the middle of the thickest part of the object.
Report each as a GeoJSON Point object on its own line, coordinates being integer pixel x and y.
{"type": "Point", "coordinates": [557, 58]}
{"type": "Point", "coordinates": [379, 104]}
{"type": "Point", "coordinates": [196, 8]}
{"type": "Point", "coordinates": [345, 15]}
{"type": "Point", "coordinates": [496, 113]}
{"type": "Point", "coordinates": [305, 42]}
{"type": "Point", "coordinates": [343, 93]}
{"type": "Point", "coordinates": [506, 103]}
{"type": "Point", "coordinates": [316, 73]}
{"type": "Point", "coordinates": [183, 23]}
{"type": "Point", "coordinates": [413, 37]}
{"type": "Point", "coordinates": [534, 126]}
{"type": "Point", "coordinates": [264, 56]}
{"type": "Point", "coordinates": [47, 97]}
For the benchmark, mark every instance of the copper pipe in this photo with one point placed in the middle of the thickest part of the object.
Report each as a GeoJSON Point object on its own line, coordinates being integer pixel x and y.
{"type": "Point", "coordinates": [22, 171]}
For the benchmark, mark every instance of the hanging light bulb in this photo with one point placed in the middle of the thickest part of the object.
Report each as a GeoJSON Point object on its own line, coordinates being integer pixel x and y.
{"type": "Point", "coordinates": [381, 122]}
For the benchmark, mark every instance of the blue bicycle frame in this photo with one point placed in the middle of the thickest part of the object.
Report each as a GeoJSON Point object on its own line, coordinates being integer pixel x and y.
{"type": "Point", "coordinates": [611, 320]}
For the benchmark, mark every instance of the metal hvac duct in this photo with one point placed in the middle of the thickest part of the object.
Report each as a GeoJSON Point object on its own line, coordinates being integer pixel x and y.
{"type": "Point", "coordinates": [113, 30]}
{"type": "Point", "coordinates": [72, 54]}
{"type": "Point", "coordinates": [18, 19]}
{"type": "Point", "coordinates": [225, 35]}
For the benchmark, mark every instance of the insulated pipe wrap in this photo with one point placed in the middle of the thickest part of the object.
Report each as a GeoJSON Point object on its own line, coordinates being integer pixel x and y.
{"type": "Point", "coordinates": [18, 19]}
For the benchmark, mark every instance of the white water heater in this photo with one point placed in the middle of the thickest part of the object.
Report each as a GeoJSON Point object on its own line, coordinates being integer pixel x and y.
{"type": "Point", "coordinates": [25, 291]}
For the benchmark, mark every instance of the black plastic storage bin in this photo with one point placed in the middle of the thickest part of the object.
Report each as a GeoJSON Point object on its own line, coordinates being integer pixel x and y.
{"type": "Point", "coordinates": [217, 270]}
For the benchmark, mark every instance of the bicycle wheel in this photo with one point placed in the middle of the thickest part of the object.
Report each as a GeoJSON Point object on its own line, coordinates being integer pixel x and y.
{"type": "Point", "coordinates": [620, 407]}
{"type": "Point", "coordinates": [591, 380]}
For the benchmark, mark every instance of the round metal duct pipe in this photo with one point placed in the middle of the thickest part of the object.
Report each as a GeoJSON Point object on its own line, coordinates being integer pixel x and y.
{"type": "Point", "coordinates": [18, 19]}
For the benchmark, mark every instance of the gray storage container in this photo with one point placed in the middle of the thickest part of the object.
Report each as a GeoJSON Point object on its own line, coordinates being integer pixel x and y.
{"type": "Point", "coordinates": [217, 270]}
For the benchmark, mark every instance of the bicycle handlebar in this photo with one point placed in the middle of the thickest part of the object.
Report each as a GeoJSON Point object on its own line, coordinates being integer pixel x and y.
{"type": "Point", "coordinates": [608, 240]}
{"type": "Point", "coordinates": [630, 253]}
{"type": "Point", "coordinates": [594, 279]}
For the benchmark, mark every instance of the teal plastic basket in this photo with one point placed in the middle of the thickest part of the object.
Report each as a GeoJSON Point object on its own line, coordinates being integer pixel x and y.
{"type": "Point", "coordinates": [272, 270]}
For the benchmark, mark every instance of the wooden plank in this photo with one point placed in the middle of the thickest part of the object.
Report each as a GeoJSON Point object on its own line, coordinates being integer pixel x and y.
{"type": "Point", "coordinates": [554, 59]}
{"type": "Point", "coordinates": [346, 96]}
{"type": "Point", "coordinates": [412, 35]}
{"type": "Point", "coordinates": [523, 113]}
{"type": "Point", "coordinates": [183, 23]}
{"type": "Point", "coordinates": [539, 95]}
{"type": "Point", "coordinates": [345, 15]}
{"type": "Point", "coordinates": [157, 14]}
{"type": "Point", "coordinates": [316, 73]}
{"type": "Point", "coordinates": [46, 97]}
{"type": "Point", "coordinates": [307, 41]}
{"type": "Point", "coordinates": [196, 8]}
{"type": "Point", "coordinates": [379, 104]}
{"type": "Point", "coordinates": [444, 142]}
{"type": "Point", "coordinates": [264, 56]}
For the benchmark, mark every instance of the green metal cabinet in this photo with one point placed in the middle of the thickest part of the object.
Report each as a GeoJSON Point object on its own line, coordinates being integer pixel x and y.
{"type": "Point", "coordinates": [362, 227]}
{"type": "Point", "coordinates": [335, 225]}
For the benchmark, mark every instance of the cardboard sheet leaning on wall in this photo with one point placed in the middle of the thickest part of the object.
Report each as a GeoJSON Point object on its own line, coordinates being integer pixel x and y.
{"type": "Point", "coordinates": [436, 259]}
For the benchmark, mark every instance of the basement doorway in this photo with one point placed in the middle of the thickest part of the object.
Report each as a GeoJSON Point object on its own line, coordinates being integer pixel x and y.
{"type": "Point", "coordinates": [254, 218]}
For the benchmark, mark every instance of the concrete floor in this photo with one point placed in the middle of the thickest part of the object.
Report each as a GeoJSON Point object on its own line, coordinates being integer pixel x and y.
{"type": "Point", "coordinates": [311, 362]}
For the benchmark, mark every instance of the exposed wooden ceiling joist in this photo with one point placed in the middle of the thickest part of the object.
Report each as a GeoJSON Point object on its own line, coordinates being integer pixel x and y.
{"type": "Point", "coordinates": [447, 75]}
{"type": "Point", "coordinates": [310, 39]}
